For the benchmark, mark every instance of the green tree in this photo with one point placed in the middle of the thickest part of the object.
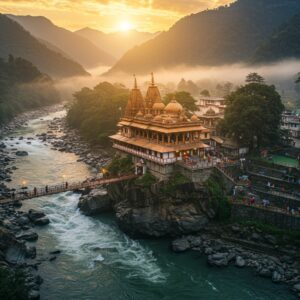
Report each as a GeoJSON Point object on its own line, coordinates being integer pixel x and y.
{"type": "Point", "coordinates": [96, 112]}
{"type": "Point", "coordinates": [255, 78]}
{"type": "Point", "coordinates": [253, 115]}
{"type": "Point", "coordinates": [205, 93]}
{"type": "Point", "coordinates": [184, 98]}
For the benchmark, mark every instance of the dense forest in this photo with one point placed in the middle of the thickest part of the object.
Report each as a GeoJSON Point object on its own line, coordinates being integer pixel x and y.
{"type": "Point", "coordinates": [23, 87]}
{"type": "Point", "coordinates": [15, 40]}
{"type": "Point", "coordinates": [283, 43]}
{"type": "Point", "coordinates": [226, 35]}
{"type": "Point", "coordinates": [96, 112]}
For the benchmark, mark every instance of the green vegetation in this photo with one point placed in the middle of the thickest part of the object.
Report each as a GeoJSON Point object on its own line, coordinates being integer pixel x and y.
{"type": "Point", "coordinates": [253, 115]}
{"type": "Point", "coordinates": [120, 165]}
{"type": "Point", "coordinates": [174, 182]}
{"type": "Point", "coordinates": [184, 98]}
{"type": "Point", "coordinates": [12, 285]}
{"type": "Point", "coordinates": [146, 181]}
{"type": "Point", "coordinates": [96, 112]}
{"type": "Point", "coordinates": [23, 87]}
{"type": "Point", "coordinates": [284, 236]}
{"type": "Point", "coordinates": [205, 93]}
{"type": "Point", "coordinates": [283, 42]}
{"type": "Point", "coordinates": [218, 197]}
{"type": "Point", "coordinates": [255, 78]}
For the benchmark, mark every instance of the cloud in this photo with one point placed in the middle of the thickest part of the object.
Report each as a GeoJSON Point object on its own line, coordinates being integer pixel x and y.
{"type": "Point", "coordinates": [147, 15]}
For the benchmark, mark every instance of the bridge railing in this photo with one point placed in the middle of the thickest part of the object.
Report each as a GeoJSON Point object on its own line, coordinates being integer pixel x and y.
{"type": "Point", "coordinates": [23, 194]}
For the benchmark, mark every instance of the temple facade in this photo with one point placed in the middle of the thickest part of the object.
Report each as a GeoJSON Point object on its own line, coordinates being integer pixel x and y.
{"type": "Point", "coordinates": [158, 136]}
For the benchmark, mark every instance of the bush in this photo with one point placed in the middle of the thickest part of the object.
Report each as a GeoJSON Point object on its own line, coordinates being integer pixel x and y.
{"type": "Point", "coordinates": [174, 181]}
{"type": "Point", "coordinates": [146, 181]}
{"type": "Point", "coordinates": [218, 197]}
{"type": "Point", "coordinates": [120, 165]}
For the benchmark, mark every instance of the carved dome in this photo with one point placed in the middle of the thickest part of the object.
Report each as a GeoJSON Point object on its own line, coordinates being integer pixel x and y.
{"type": "Point", "coordinates": [158, 106]}
{"type": "Point", "coordinates": [174, 108]}
{"type": "Point", "coordinates": [194, 118]}
{"type": "Point", "coordinates": [158, 118]}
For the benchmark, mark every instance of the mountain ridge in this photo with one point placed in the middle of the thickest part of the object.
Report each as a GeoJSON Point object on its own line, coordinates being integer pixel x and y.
{"type": "Point", "coordinates": [15, 40]}
{"type": "Point", "coordinates": [78, 48]}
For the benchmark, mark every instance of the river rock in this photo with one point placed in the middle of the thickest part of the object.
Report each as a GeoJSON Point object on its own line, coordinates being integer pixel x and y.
{"type": "Point", "coordinates": [276, 277]}
{"type": "Point", "coordinates": [42, 221]}
{"type": "Point", "coordinates": [96, 202]}
{"type": "Point", "coordinates": [35, 215]}
{"type": "Point", "coordinates": [218, 259]}
{"type": "Point", "coordinates": [30, 251]}
{"type": "Point", "coordinates": [22, 153]}
{"type": "Point", "coordinates": [28, 236]}
{"type": "Point", "coordinates": [180, 245]}
{"type": "Point", "coordinates": [240, 262]}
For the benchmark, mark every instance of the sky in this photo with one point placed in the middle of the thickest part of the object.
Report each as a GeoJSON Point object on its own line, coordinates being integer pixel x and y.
{"type": "Point", "coordinates": [110, 15]}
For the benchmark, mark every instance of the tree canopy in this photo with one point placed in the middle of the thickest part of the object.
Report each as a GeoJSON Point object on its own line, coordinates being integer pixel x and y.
{"type": "Point", "coordinates": [184, 98]}
{"type": "Point", "coordinates": [255, 78]}
{"type": "Point", "coordinates": [23, 87]}
{"type": "Point", "coordinates": [96, 112]}
{"type": "Point", "coordinates": [253, 115]}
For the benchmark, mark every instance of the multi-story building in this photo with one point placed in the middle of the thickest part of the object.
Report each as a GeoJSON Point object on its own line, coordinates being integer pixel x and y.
{"type": "Point", "coordinates": [291, 122]}
{"type": "Point", "coordinates": [158, 135]}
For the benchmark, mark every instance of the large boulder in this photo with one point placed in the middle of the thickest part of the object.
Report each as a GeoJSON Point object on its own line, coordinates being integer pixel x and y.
{"type": "Point", "coordinates": [96, 202]}
{"type": "Point", "coordinates": [29, 236]}
{"type": "Point", "coordinates": [42, 221]}
{"type": "Point", "coordinates": [180, 245]}
{"type": "Point", "coordinates": [11, 249]}
{"type": "Point", "coordinates": [35, 215]}
{"type": "Point", "coordinates": [218, 259]}
{"type": "Point", "coordinates": [240, 262]}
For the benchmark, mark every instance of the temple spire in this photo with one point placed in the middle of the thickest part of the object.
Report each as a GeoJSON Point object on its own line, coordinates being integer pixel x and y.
{"type": "Point", "coordinates": [152, 78]}
{"type": "Point", "coordinates": [135, 82]}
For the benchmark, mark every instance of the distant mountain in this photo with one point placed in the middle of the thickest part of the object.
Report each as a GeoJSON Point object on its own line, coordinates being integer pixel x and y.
{"type": "Point", "coordinates": [284, 43]}
{"type": "Point", "coordinates": [78, 48]}
{"type": "Point", "coordinates": [15, 40]}
{"type": "Point", "coordinates": [225, 35]}
{"type": "Point", "coordinates": [116, 43]}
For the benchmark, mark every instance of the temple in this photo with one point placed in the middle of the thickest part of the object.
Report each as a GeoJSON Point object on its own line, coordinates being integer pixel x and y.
{"type": "Point", "coordinates": [158, 136]}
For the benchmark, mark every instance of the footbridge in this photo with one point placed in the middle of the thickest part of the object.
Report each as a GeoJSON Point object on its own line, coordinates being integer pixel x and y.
{"type": "Point", "coordinates": [21, 195]}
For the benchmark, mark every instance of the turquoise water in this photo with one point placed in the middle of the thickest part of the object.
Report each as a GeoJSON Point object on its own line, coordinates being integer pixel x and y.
{"type": "Point", "coordinates": [98, 261]}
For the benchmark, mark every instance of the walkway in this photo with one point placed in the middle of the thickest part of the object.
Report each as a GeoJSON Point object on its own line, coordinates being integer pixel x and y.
{"type": "Point", "coordinates": [22, 195]}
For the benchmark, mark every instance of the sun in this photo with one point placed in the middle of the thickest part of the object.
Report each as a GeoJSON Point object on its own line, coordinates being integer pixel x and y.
{"type": "Point", "coordinates": [125, 26]}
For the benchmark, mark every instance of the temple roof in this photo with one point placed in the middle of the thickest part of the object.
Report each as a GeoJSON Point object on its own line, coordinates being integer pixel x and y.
{"type": "Point", "coordinates": [153, 94]}
{"type": "Point", "coordinates": [135, 102]}
{"type": "Point", "coordinates": [143, 143]}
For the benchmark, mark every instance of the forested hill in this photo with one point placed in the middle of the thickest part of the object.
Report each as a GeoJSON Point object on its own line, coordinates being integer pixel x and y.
{"type": "Point", "coordinates": [225, 35]}
{"type": "Point", "coordinates": [284, 43]}
{"type": "Point", "coordinates": [23, 87]}
{"type": "Point", "coordinates": [15, 40]}
{"type": "Point", "coordinates": [77, 47]}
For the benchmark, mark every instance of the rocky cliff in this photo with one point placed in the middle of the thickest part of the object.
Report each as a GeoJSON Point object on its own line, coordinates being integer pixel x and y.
{"type": "Point", "coordinates": [156, 211]}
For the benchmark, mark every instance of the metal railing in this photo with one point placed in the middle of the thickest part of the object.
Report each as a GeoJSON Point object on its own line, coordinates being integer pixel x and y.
{"type": "Point", "coordinates": [21, 195]}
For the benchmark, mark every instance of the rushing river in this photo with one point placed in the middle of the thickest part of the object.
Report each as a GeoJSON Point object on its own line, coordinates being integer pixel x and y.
{"type": "Point", "coordinates": [98, 261]}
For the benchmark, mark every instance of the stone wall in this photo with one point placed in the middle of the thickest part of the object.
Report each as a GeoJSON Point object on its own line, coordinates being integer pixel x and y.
{"type": "Point", "coordinates": [248, 213]}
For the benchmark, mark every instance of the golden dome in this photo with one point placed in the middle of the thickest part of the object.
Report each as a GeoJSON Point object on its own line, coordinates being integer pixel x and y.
{"type": "Point", "coordinates": [158, 106]}
{"type": "Point", "coordinates": [174, 108]}
{"type": "Point", "coordinates": [158, 118]}
{"type": "Point", "coordinates": [194, 118]}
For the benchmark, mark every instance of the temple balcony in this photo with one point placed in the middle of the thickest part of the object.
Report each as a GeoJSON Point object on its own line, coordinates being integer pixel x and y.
{"type": "Point", "coordinates": [161, 161]}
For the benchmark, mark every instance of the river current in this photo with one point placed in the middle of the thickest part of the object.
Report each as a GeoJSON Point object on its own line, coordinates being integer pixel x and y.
{"type": "Point", "coordinates": [98, 261]}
